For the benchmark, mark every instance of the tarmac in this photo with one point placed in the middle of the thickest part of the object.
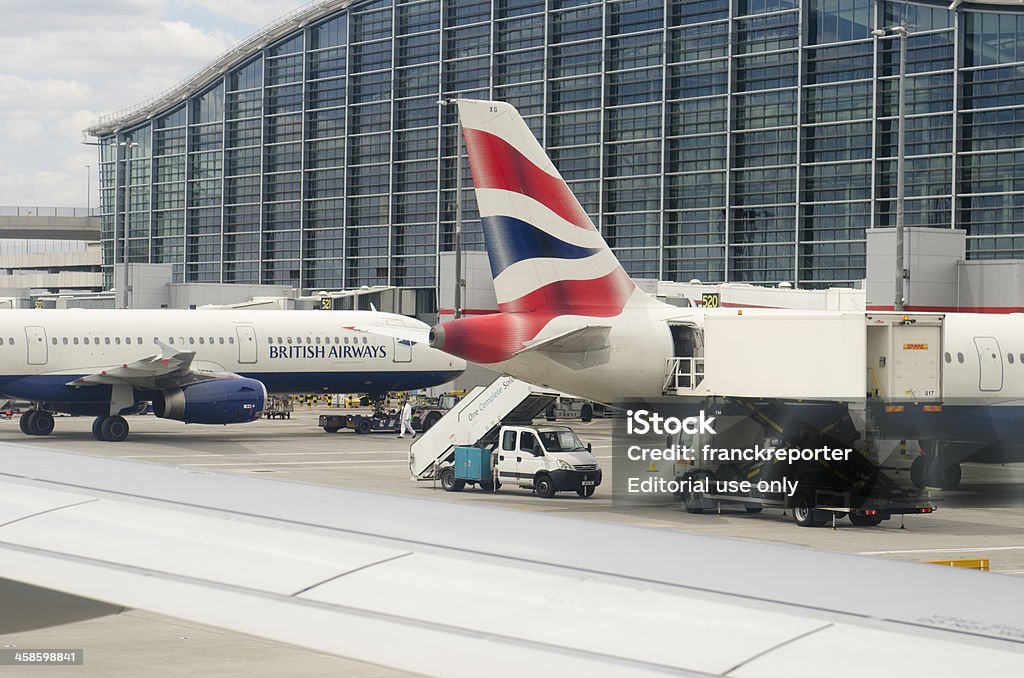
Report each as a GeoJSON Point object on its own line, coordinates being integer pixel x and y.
{"type": "Point", "coordinates": [983, 519]}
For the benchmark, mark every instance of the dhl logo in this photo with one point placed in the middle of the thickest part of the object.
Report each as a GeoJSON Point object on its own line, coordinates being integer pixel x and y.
{"type": "Point", "coordinates": [915, 347]}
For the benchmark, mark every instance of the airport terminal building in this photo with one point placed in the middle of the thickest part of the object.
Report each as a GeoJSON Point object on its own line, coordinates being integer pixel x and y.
{"type": "Point", "coordinates": [724, 140]}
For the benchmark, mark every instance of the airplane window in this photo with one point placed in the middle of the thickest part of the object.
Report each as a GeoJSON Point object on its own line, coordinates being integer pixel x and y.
{"type": "Point", "coordinates": [139, 339]}
{"type": "Point", "coordinates": [202, 340]}
{"type": "Point", "coordinates": [222, 340]}
{"type": "Point", "coordinates": [64, 340]}
{"type": "Point", "coordinates": [365, 340]}
{"type": "Point", "coordinates": [117, 340]}
{"type": "Point", "coordinates": [54, 340]}
{"type": "Point", "coordinates": [170, 340]}
{"type": "Point", "coordinates": [288, 339]}
{"type": "Point", "coordinates": [75, 341]}
{"type": "Point", "coordinates": [1009, 357]}
{"type": "Point", "coordinates": [308, 340]}
{"type": "Point", "coordinates": [949, 358]}
{"type": "Point", "coordinates": [106, 340]}
{"type": "Point", "coordinates": [270, 340]}
{"type": "Point", "coordinates": [317, 339]}
{"type": "Point", "coordinates": [279, 340]}
{"type": "Point", "coordinates": [1, 341]}
{"type": "Point", "coordinates": [211, 341]}
{"type": "Point", "coordinates": [337, 340]}
{"type": "Point", "coordinates": [1021, 356]}
{"type": "Point", "coordinates": [156, 340]}
{"type": "Point", "coordinates": [181, 340]}
{"type": "Point", "coordinates": [127, 340]}
{"type": "Point", "coordinates": [346, 340]}
{"type": "Point", "coordinates": [86, 341]}
{"type": "Point", "coordinates": [231, 340]}
{"type": "Point", "coordinates": [960, 357]}
{"type": "Point", "coordinates": [10, 340]}
{"type": "Point", "coordinates": [192, 340]}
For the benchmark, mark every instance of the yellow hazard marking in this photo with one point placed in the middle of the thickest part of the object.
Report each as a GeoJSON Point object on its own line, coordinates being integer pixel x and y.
{"type": "Point", "coordinates": [894, 408]}
{"type": "Point", "coordinates": [915, 347]}
{"type": "Point", "coordinates": [969, 563]}
{"type": "Point", "coordinates": [933, 408]}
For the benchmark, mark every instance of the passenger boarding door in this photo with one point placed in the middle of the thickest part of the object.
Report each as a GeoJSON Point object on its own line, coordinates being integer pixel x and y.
{"type": "Point", "coordinates": [529, 458]}
{"type": "Point", "coordinates": [403, 351]}
{"type": "Point", "coordinates": [35, 339]}
{"type": "Point", "coordinates": [990, 364]}
{"type": "Point", "coordinates": [507, 450]}
{"type": "Point", "coordinates": [247, 349]}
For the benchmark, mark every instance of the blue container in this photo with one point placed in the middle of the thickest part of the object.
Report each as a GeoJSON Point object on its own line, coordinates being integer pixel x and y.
{"type": "Point", "coordinates": [473, 463]}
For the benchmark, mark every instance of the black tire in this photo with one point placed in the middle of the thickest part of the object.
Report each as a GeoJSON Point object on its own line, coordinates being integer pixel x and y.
{"type": "Point", "coordinates": [549, 413]}
{"type": "Point", "coordinates": [97, 428]}
{"type": "Point", "coordinates": [861, 520]}
{"type": "Point", "coordinates": [488, 486]}
{"type": "Point", "coordinates": [449, 483]}
{"type": "Point", "coordinates": [544, 486]}
{"type": "Point", "coordinates": [690, 499]}
{"type": "Point", "coordinates": [25, 422]}
{"type": "Point", "coordinates": [331, 428]}
{"type": "Point", "coordinates": [431, 419]}
{"type": "Point", "coordinates": [42, 424]}
{"type": "Point", "coordinates": [945, 476]}
{"type": "Point", "coordinates": [803, 510]}
{"type": "Point", "coordinates": [586, 492]}
{"type": "Point", "coordinates": [115, 429]}
{"type": "Point", "coordinates": [919, 471]}
{"type": "Point", "coordinates": [363, 426]}
{"type": "Point", "coordinates": [753, 509]}
{"type": "Point", "coordinates": [587, 413]}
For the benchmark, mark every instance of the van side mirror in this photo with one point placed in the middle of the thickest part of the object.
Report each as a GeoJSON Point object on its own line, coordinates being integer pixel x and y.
{"type": "Point", "coordinates": [590, 448]}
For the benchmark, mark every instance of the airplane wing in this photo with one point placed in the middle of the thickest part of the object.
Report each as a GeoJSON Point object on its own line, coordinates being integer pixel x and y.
{"type": "Point", "coordinates": [170, 368]}
{"type": "Point", "coordinates": [449, 590]}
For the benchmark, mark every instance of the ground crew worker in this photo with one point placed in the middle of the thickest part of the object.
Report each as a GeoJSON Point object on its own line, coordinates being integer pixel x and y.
{"type": "Point", "coordinates": [406, 420]}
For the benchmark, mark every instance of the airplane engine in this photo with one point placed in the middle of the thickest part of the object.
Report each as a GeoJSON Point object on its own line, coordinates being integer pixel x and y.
{"type": "Point", "coordinates": [218, 401]}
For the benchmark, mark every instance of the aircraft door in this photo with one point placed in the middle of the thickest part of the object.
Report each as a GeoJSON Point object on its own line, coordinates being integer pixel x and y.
{"type": "Point", "coordinates": [403, 351]}
{"type": "Point", "coordinates": [247, 349]}
{"type": "Point", "coordinates": [35, 339]}
{"type": "Point", "coordinates": [529, 458]}
{"type": "Point", "coordinates": [990, 364]}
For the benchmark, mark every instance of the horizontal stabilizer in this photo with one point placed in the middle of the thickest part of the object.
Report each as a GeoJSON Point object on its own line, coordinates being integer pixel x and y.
{"type": "Point", "coordinates": [416, 335]}
{"type": "Point", "coordinates": [580, 340]}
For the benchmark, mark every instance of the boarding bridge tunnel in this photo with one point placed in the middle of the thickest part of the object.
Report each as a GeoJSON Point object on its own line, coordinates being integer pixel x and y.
{"type": "Point", "coordinates": [837, 357]}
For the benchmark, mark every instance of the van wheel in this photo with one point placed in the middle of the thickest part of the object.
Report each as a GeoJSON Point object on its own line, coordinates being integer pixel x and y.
{"type": "Point", "coordinates": [587, 491]}
{"type": "Point", "coordinates": [544, 487]}
{"type": "Point", "coordinates": [803, 511]}
{"type": "Point", "coordinates": [448, 481]}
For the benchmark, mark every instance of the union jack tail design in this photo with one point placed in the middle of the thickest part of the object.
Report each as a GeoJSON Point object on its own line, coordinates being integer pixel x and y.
{"type": "Point", "coordinates": [546, 257]}
{"type": "Point", "coordinates": [545, 253]}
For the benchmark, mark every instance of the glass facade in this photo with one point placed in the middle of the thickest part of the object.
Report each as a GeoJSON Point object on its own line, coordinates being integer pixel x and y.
{"type": "Point", "coordinates": [724, 140]}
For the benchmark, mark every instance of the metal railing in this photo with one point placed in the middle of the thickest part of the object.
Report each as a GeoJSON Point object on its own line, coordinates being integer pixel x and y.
{"type": "Point", "coordinates": [36, 211]}
{"type": "Point", "coordinates": [683, 374]}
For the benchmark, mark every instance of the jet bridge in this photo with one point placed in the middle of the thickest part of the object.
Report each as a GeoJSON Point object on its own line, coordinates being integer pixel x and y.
{"type": "Point", "coordinates": [837, 357]}
{"type": "Point", "coordinates": [476, 420]}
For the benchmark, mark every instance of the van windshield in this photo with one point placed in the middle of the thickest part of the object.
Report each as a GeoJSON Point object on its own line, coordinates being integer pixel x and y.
{"type": "Point", "coordinates": [561, 441]}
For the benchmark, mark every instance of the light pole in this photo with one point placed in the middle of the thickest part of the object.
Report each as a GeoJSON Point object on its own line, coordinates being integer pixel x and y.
{"type": "Point", "coordinates": [902, 273]}
{"type": "Point", "coordinates": [123, 294]}
{"type": "Point", "coordinates": [88, 190]}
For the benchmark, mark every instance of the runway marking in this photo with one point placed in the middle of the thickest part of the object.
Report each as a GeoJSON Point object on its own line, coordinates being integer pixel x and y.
{"type": "Point", "coordinates": [972, 549]}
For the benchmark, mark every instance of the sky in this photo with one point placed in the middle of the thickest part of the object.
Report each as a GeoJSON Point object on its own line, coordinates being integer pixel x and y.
{"type": "Point", "coordinates": [64, 63]}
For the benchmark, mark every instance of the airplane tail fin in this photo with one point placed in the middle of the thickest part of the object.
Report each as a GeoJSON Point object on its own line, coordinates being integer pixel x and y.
{"type": "Point", "coordinates": [545, 253]}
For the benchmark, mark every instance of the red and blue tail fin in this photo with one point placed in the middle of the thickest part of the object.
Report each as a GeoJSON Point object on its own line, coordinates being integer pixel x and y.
{"type": "Point", "coordinates": [545, 253]}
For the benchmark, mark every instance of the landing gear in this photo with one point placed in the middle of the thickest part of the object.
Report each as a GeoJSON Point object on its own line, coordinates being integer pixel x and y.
{"type": "Point", "coordinates": [929, 470]}
{"type": "Point", "coordinates": [36, 423]}
{"type": "Point", "coordinates": [111, 429]}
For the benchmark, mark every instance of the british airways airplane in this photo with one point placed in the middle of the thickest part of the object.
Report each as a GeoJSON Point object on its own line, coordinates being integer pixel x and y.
{"type": "Point", "coordinates": [570, 318]}
{"type": "Point", "coordinates": [200, 367]}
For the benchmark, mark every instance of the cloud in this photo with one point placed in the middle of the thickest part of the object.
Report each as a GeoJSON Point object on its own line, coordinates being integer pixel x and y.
{"type": "Point", "coordinates": [24, 128]}
{"type": "Point", "coordinates": [257, 12]}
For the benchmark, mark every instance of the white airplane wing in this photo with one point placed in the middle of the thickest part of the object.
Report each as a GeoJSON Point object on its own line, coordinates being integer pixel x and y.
{"type": "Point", "coordinates": [168, 369]}
{"type": "Point", "coordinates": [454, 590]}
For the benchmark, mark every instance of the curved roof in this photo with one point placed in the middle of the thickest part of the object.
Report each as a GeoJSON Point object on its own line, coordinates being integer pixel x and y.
{"type": "Point", "coordinates": [267, 35]}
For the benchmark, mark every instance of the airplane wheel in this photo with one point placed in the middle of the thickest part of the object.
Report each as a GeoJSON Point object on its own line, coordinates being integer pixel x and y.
{"type": "Point", "coordinates": [919, 471]}
{"type": "Point", "coordinates": [42, 423]}
{"type": "Point", "coordinates": [97, 428]}
{"type": "Point", "coordinates": [25, 422]}
{"type": "Point", "coordinates": [947, 477]}
{"type": "Point", "coordinates": [115, 429]}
